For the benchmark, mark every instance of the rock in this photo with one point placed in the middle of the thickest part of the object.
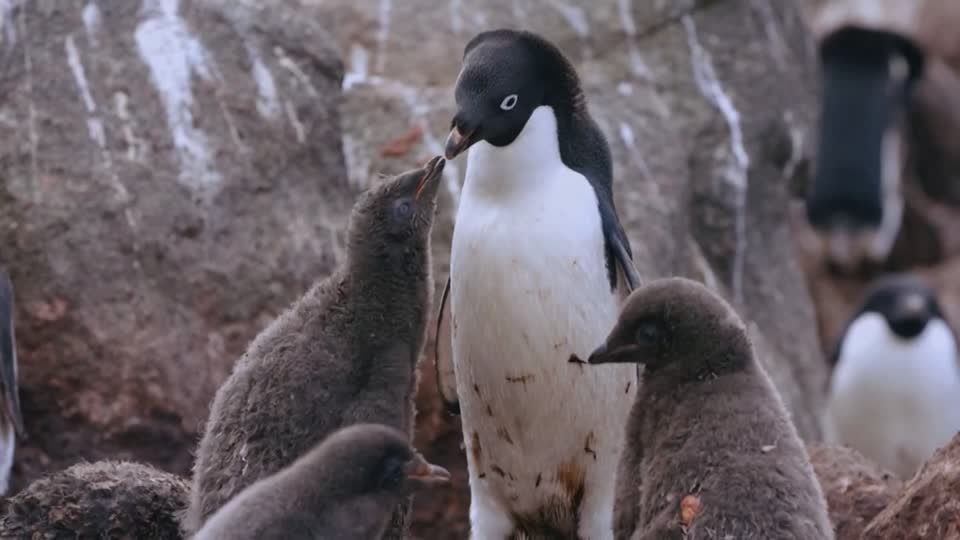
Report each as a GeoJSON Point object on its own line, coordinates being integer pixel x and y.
{"type": "Point", "coordinates": [173, 177]}
{"type": "Point", "coordinates": [928, 506]}
{"type": "Point", "coordinates": [106, 499]}
{"type": "Point", "coordinates": [856, 488]}
{"type": "Point", "coordinates": [708, 107]}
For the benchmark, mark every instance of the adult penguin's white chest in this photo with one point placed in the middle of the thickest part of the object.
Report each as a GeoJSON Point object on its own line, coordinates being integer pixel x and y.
{"type": "Point", "coordinates": [530, 287]}
{"type": "Point", "coordinates": [896, 401]}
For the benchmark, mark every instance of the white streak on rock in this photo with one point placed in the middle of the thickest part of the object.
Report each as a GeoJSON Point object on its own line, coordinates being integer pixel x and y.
{"type": "Point", "coordinates": [638, 66]}
{"type": "Point", "coordinates": [778, 49]}
{"type": "Point", "coordinates": [456, 19]}
{"type": "Point", "coordinates": [95, 127]}
{"type": "Point", "coordinates": [626, 133]}
{"type": "Point", "coordinates": [295, 122]}
{"type": "Point", "coordinates": [288, 64]}
{"type": "Point", "coordinates": [6, 21]}
{"type": "Point", "coordinates": [575, 17]}
{"type": "Point", "coordinates": [174, 56]}
{"type": "Point", "coordinates": [635, 156]}
{"type": "Point", "coordinates": [626, 17]}
{"type": "Point", "coordinates": [796, 145]}
{"type": "Point", "coordinates": [31, 108]}
{"type": "Point", "coordinates": [359, 67]}
{"type": "Point", "coordinates": [738, 167]}
{"type": "Point", "coordinates": [625, 88]}
{"type": "Point", "coordinates": [268, 102]}
{"type": "Point", "coordinates": [383, 34]}
{"type": "Point", "coordinates": [73, 59]}
{"type": "Point", "coordinates": [91, 20]}
{"type": "Point", "coordinates": [357, 162]}
{"type": "Point", "coordinates": [135, 146]}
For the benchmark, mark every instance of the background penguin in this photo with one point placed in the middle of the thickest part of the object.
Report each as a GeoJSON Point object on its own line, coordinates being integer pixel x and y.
{"type": "Point", "coordinates": [895, 388]}
{"type": "Point", "coordinates": [345, 488]}
{"type": "Point", "coordinates": [886, 193]}
{"type": "Point", "coordinates": [344, 353]}
{"type": "Point", "coordinates": [539, 268]}
{"type": "Point", "coordinates": [106, 499]}
{"type": "Point", "coordinates": [11, 421]}
{"type": "Point", "coordinates": [707, 425]}
{"type": "Point", "coordinates": [868, 77]}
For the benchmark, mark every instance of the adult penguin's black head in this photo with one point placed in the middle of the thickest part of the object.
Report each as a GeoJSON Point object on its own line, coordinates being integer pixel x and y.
{"type": "Point", "coordinates": [854, 202]}
{"type": "Point", "coordinates": [507, 74]}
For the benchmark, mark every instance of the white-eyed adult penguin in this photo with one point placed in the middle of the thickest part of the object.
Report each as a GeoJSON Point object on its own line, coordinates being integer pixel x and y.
{"type": "Point", "coordinates": [11, 420]}
{"type": "Point", "coordinates": [344, 353]}
{"type": "Point", "coordinates": [889, 133]}
{"type": "Point", "coordinates": [345, 488]}
{"type": "Point", "coordinates": [895, 387]}
{"type": "Point", "coordinates": [539, 267]}
{"type": "Point", "coordinates": [711, 451]}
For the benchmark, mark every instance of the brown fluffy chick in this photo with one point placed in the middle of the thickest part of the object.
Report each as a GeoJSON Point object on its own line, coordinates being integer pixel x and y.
{"type": "Point", "coordinates": [345, 353]}
{"type": "Point", "coordinates": [346, 488]}
{"type": "Point", "coordinates": [710, 449]}
{"type": "Point", "coordinates": [105, 499]}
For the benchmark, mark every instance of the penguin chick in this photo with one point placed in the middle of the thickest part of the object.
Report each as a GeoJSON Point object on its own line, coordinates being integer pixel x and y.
{"type": "Point", "coordinates": [344, 353]}
{"type": "Point", "coordinates": [710, 449]}
{"type": "Point", "coordinates": [895, 389]}
{"type": "Point", "coordinates": [11, 420]}
{"type": "Point", "coordinates": [105, 499]}
{"type": "Point", "coordinates": [345, 488]}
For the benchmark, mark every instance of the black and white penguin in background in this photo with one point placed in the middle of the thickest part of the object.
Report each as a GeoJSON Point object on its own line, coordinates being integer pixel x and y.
{"type": "Point", "coordinates": [895, 387]}
{"type": "Point", "coordinates": [11, 420]}
{"type": "Point", "coordinates": [540, 266]}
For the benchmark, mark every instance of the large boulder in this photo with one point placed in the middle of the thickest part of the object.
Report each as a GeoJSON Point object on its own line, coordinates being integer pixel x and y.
{"type": "Point", "coordinates": [708, 109]}
{"type": "Point", "coordinates": [928, 507]}
{"type": "Point", "coordinates": [106, 499]}
{"type": "Point", "coordinates": [172, 178]}
{"type": "Point", "coordinates": [856, 488]}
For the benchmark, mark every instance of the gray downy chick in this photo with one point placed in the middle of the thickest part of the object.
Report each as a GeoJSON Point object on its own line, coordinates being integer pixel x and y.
{"type": "Point", "coordinates": [346, 488]}
{"type": "Point", "coordinates": [710, 449]}
{"type": "Point", "coordinates": [345, 353]}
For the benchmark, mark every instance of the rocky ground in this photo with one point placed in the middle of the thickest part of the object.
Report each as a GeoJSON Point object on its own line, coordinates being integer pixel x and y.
{"type": "Point", "coordinates": [175, 173]}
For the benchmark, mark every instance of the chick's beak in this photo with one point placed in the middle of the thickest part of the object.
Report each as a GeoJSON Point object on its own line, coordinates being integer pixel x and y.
{"type": "Point", "coordinates": [424, 474]}
{"type": "Point", "coordinates": [598, 355]}
{"type": "Point", "coordinates": [432, 171]}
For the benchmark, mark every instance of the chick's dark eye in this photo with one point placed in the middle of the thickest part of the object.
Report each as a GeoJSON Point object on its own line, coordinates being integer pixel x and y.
{"type": "Point", "coordinates": [648, 332]}
{"type": "Point", "coordinates": [403, 208]}
{"type": "Point", "coordinates": [391, 472]}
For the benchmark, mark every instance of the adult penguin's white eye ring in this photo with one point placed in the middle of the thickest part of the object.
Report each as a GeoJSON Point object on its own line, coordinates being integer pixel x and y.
{"type": "Point", "coordinates": [509, 102]}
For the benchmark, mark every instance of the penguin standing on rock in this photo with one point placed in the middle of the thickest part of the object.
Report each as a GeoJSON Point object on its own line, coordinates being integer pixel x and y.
{"type": "Point", "coordinates": [895, 387]}
{"type": "Point", "coordinates": [11, 420]}
{"type": "Point", "coordinates": [539, 267]}
{"type": "Point", "coordinates": [345, 488]}
{"type": "Point", "coordinates": [345, 353]}
{"type": "Point", "coordinates": [711, 451]}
